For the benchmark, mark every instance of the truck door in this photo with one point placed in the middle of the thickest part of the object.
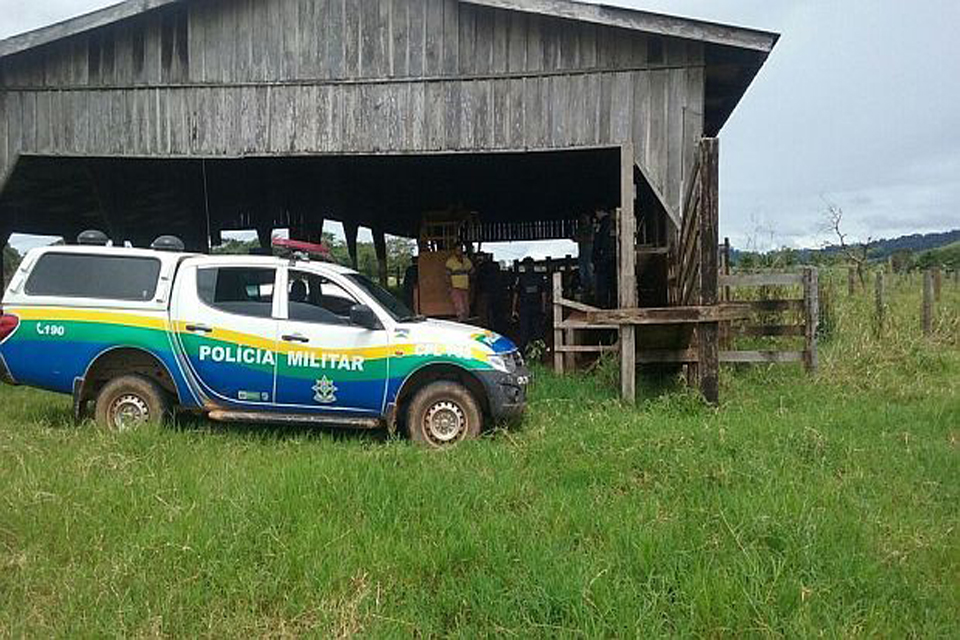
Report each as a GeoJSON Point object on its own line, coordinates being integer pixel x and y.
{"type": "Point", "coordinates": [327, 364]}
{"type": "Point", "coordinates": [225, 326]}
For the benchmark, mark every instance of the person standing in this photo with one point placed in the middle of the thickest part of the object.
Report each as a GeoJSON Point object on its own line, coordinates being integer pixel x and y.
{"type": "Point", "coordinates": [605, 261]}
{"type": "Point", "coordinates": [529, 303]}
{"type": "Point", "coordinates": [585, 238]}
{"type": "Point", "coordinates": [411, 278]}
{"type": "Point", "coordinates": [459, 267]}
{"type": "Point", "coordinates": [489, 292]}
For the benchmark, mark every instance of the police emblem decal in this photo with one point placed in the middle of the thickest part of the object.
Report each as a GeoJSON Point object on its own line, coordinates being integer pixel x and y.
{"type": "Point", "coordinates": [325, 391]}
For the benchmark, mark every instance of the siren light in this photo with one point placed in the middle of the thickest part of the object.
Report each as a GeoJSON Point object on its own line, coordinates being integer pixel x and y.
{"type": "Point", "coordinates": [93, 238]}
{"type": "Point", "coordinates": [168, 243]}
{"type": "Point", "coordinates": [306, 248]}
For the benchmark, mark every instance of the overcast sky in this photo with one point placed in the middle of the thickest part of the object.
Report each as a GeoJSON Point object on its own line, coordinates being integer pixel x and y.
{"type": "Point", "coordinates": [859, 105]}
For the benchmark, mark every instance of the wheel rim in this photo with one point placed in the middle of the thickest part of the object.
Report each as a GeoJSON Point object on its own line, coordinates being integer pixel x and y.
{"type": "Point", "coordinates": [129, 411]}
{"type": "Point", "coordinates": [445, 422]}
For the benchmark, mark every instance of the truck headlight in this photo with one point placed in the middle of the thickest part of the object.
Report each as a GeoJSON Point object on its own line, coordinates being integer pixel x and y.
{"type": "Point", "coordinates": [502, 363]}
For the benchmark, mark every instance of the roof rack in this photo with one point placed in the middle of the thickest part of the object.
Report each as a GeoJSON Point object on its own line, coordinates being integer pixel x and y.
{"type": "Point", "coordinates": [300, 250]}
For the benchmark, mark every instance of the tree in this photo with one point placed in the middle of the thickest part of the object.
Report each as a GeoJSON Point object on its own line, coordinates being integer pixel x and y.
{"type": "Point", "coordinates": [855, 254]}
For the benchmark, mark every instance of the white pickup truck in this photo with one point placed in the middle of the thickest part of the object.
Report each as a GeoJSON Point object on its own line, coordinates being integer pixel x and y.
{"type": "Point", "coordinates": [142, 332]}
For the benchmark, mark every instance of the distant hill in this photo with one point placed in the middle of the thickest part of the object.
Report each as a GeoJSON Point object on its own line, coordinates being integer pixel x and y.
{"type": "Point", "coordinates": [916, 243]}
{"type": "Point", "coordinates": [916, 250]}
{"type": "Point", "coordinates": [947, 256]}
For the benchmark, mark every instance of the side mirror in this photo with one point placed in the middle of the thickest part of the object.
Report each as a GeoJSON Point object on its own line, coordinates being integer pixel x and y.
{"type": "Point", "coordinates": [363, 316]}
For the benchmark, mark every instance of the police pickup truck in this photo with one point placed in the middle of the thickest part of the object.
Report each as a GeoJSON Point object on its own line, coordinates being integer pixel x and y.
{"type": "Point", "coordinates": [144, 332]}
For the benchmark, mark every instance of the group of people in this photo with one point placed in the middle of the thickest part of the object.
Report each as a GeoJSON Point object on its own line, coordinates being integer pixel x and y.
{"type": "Point", "coordinates": [597, 258]}
{"type": "Point", "coordinates": [516, 304]}
{"type": "Point", "coordinates": [527, 295]}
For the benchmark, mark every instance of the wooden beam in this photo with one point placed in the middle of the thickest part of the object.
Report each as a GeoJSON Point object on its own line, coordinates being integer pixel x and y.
{"type": "Point", "coordinates": [587, 326]}
{"type": "Point", "coordinates": [73, 26]}
{"type": "Point", "coordinates": [670, 315]}
{"type": "Point", "coordinates": [627, 273]}
{"type": "Point", "coordinates": [671, 212]}
{"type": "Point", "coordinates": [644, 21]}
{"type": "Point", "coordinates": [577, 306]}
{"type": "Point", "coordinates": [265, 236]}
{"type": "Point", "coordinates": [708, 335]}
{"type": "Point", "coordinates": [587, 348]}
{"type": "Point", "coordinates": [380, 247]}
{"type": "Point", "coordinates": [350, 230]}
{"type": "Point", "coordinates": [666, 356]}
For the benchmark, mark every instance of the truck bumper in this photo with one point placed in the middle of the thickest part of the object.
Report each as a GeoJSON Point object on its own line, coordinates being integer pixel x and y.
{"type": "Point", "coordinates": [506, 392]}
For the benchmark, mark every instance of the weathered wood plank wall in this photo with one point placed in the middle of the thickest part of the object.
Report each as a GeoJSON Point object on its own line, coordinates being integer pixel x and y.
{"type": "Point", "coordinates": [227, 78]}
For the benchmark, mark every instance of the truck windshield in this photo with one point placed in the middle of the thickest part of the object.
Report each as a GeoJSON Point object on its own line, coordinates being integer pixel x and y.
{"type": "Point", "coordinates": [399, 311]}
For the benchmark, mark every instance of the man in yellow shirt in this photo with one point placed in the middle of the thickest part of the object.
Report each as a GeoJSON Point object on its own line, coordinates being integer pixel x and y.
{"type": "Point", "coordinates": [459, 268]}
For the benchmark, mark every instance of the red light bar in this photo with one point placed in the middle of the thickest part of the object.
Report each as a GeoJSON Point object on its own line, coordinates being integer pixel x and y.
{"type": "Point", "coordinates": [300, 245]}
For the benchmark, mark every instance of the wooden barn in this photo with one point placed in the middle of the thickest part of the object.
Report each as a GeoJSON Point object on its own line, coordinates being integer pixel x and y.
{"type": "Point", "coordinates": [197, 116]}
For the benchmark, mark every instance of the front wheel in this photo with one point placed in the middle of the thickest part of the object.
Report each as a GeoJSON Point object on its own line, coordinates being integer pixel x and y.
{"type": "Point", "coordinates": [128, 402]}
{"type": "Point", "coordinates": [442, 414]}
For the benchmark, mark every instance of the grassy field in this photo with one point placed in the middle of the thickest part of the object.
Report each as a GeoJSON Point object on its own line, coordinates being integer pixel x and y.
{"type": "Point", "coordinates": [801, 506]}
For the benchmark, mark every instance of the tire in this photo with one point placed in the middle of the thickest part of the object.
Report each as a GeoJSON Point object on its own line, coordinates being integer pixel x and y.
{"type": "Point", "coordinates": [129, 402]}
{"type": "Point", "coordinates": [442, 414]}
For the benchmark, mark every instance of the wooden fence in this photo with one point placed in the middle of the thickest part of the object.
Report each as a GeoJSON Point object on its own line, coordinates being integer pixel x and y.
{"type": "Point", "coordinates": [764, 317]}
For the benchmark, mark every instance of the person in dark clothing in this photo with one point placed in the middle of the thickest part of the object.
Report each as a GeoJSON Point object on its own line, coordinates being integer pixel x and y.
{"type": "Point", "coordinates": [605, 262]}
{"type": "Point", "coordinates": [410, 278]}
{"type": "Point", "coordinates": [529, 303]}
{"type": "Point", "coordinates": [490, 293]}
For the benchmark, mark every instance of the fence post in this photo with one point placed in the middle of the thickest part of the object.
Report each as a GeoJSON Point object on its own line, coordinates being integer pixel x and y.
{"type": "Point", "coordinates": [811, 318]}
{"type": "Point", "coordinates": [880, 302]}
{"type": "Point", "coordinates": [851, 281]}
{"type": "Point", "coordinates": [927, 313]}
{"type": "Point", "coordinates": [726, 267]}
{"type": "Point", "coordinates": [557, 319]}
{"type": "Point", "coordinates": [937, 283]}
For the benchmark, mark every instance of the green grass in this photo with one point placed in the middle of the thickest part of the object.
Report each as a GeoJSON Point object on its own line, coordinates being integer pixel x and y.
{"type": "Point", "coordinates": [802, 506]}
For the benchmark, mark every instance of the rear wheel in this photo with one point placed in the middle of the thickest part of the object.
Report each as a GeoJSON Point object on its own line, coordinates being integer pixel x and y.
{"type": "Point", "coordinates": [442, 414]}
{"type": "Point", "coordinates": [128, 402]}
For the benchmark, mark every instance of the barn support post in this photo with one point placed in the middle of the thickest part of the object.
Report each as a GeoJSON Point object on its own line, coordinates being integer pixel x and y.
{"type": "Point", "coordinates": [627, 273]}
{"type": "Point", "coordinates": [708, 333]}
{"type": "Point", "coordinates": [315, 230]}
{"type": "Point", "coordinates": [265, 235]}
{"type": "Point", "coordinates": [350, 230]}
{"type": "Point", "coordinates": [380, 246]}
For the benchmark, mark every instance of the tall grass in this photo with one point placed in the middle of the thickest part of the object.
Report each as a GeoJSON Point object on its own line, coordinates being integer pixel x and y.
{"type": "Point", "coordinates": [802, 506]}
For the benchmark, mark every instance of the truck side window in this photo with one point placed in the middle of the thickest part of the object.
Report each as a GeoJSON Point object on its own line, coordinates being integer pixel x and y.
{"type": "Point", "coordinates": [247, 291]}
{"type": "Point", "coordinates": [313, 298]}
{"type": "Point", "coordinates": [77, 275]}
